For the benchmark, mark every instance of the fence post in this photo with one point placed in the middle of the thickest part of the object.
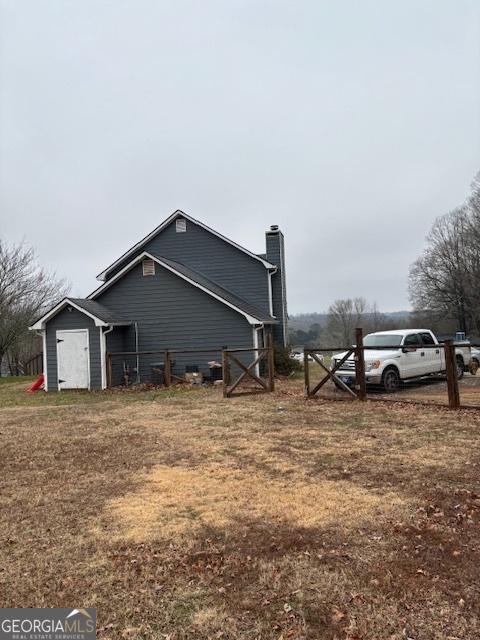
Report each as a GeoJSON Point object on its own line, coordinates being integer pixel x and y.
{"type": "Point", "coordinates": [271, 363]}
{"type": "Point", "coordinates": [306, 372]}
{"type": "Point", "coordinates": [361, 385]}
{"type": "Point", "coordinates": [452, 380]}
{"type": "Point", "coordinates": [167, 371]}
{"type": "Point", "coordinates": [225, 372]}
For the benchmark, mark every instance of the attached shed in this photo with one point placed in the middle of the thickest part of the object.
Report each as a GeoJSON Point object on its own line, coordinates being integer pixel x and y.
{"type": "Point", "coordinates": [74, 343]}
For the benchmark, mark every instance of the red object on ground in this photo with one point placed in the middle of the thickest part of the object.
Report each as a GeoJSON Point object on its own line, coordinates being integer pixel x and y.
{"type": "Point", "coordinates": [38, 384]}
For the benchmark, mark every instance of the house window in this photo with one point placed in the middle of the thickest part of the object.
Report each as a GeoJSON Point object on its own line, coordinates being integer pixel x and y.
{"type": "Point", "coordinates": [148, 267]}
{"type": "Point", "coordinates": [181, 225]}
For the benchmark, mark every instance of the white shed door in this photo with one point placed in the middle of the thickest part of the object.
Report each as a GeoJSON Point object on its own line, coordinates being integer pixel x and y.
{"type": "Point", "coordinates": [73, 359]}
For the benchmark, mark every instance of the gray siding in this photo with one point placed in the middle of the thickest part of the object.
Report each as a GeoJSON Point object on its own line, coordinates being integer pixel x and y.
{"type": "Point", "coordinates": [118, 341]}
{"type": "Point", "coordinates": [173, 314]}
{"type": "Point", "coordinates": [72, 320]}
{"type": "Point", "coordinates": [276, 255]}
{"type": "Point", "coordinates": [218, 260]}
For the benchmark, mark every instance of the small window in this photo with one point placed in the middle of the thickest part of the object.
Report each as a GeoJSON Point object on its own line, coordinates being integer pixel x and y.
{"type": "Point", "coordinates": [148, 267]}
{"type": "Point", "coordinates": [181, 225]}
{"type": "Point", "coordinates": [412, 340]}
{"type": "Point", "coordinates": [427, 338]}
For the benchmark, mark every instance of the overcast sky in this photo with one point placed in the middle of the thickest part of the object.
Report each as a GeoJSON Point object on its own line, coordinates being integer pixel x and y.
{"type": "Point", "coordinates": [352, 125]}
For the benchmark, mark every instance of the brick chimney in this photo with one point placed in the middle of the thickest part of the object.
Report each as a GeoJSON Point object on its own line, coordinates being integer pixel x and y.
{"type": "Point", "coordinates": [276, 255]}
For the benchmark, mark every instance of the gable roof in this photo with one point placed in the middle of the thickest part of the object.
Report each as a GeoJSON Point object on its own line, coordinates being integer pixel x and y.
{"type": "Point", "coordinates": [249, 311]}
{"type": "Point", "coordinates": [97, 312]}
{"type": "Point", "coordinates": [163, 225]}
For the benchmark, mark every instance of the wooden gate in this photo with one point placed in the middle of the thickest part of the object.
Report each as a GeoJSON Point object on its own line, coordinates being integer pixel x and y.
{"type": "Point", "coordinates": [249, 372]}
{"type": "Point", "coordinates": [359, 391]}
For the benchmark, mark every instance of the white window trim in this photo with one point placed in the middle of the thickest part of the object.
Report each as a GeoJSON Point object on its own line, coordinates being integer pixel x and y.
{"type": "Point", "coordinates": [87, 331]}
{"type": "Point", "coordinates": [144, 255]}
{"type": "Point", "coordinates": [165, 223]}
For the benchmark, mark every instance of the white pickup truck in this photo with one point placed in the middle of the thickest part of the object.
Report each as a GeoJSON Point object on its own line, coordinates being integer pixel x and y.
{"type": "Point", "coordinates": [409, 358]}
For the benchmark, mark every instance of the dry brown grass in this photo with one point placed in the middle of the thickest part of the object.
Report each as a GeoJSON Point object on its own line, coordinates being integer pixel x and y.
{"type": "Point", "coordinates": [190, 516]}
{"type": "Point", "coordinates": [172, 502]}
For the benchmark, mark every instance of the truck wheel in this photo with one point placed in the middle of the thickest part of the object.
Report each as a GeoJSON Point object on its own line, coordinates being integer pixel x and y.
{"type": "Point", "coordinates": [391, 380]}
{"type": "Point", "coordinates": [460, 367]}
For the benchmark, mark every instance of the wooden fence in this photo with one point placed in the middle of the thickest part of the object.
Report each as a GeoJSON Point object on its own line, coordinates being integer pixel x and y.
{"type": "Point", "coordinates": [34, 366]}
{"type": "Point", "coordinates": [259, 374]}
{"type": "Point", "coordinates": [262, 356]}
{"type": "Point", "coordinates": [359, 391]}
{"type": "Point", "coordinates": [165, 372]}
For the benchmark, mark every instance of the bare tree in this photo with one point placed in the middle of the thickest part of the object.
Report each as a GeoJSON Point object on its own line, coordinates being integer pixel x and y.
{"type": "Point", "coordinates": [472, 257]}
{"type": "Point", "coordinates": [26, 289]}
{"type": "Point", "coordinates": [343, 317]}
{"type": "Point", "coordinates": [444, 280]}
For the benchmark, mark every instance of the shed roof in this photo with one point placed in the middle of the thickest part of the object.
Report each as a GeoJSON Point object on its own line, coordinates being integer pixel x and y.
{"type": "Point", "coordinates": [99, 311]}
{"type": "Point", "coordinates": [99, 314]}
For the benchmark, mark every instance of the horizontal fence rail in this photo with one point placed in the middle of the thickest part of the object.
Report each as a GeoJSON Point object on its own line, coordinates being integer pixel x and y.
{"type": "Point", "coordinates": [359, 374]}
{"type": "Point", "coordinates": [34, 366]}
{"type": "Point", "coordinates": [161, 373]}
{"type": "Point", "coordinates": [251, 371]}
{"type": "Point", "coordinates": [260, 372]}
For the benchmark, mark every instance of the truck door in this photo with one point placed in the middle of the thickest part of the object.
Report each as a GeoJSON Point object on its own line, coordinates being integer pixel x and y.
{"type": "Point", "coordinates": [412, 359]}
{"type": "Point", "coordinates": [432, 359]}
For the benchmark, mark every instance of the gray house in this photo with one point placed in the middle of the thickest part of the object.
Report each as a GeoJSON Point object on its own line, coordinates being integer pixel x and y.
{"type": "Point", "coordinates": [183, 287]}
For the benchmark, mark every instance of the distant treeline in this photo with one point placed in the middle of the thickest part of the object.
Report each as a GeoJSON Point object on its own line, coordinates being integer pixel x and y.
{"type": "Point", "coordinates": [336, 327]}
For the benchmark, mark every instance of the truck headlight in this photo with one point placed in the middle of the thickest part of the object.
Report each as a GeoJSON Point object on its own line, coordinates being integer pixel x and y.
{"type": "Point", "coordinates": [372, 364]}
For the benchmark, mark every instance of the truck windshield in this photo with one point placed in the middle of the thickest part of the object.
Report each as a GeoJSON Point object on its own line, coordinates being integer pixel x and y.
{"type": "Point", "coordinates": [385, 340]}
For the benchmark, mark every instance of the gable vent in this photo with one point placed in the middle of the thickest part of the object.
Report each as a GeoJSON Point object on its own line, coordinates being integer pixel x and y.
{"type": "Point", "coordinates": [148, 267]}
{"type": "Point", "coordinates": [181, 225]}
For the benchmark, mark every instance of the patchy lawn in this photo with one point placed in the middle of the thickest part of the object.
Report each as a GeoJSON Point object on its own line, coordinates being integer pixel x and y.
{"type": "Point", "coordinates": [184, 515]}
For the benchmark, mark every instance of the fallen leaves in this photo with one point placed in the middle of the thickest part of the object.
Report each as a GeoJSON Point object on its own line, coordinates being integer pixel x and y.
{"type": "Point", "coordinates": [337, 615]}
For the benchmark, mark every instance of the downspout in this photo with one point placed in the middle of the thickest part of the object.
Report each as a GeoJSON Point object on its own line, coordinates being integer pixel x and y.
{"type": "Point", "coordinates": [136, 351]}
{"type": "Point", "coordinates": [271, 272]}
{"type": "Point", "coordinates": [256, 329]}
{"type": "Point", "coordinates": [104, 353]}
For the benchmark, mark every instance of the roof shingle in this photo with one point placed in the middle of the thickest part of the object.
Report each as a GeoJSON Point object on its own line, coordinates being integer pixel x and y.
{"type": "Point", "coordinates": [99, 311]}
